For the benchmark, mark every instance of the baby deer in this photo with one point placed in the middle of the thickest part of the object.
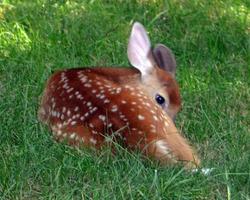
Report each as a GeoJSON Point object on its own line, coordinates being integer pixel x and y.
{"type": "Point", "coordinates": [137, 105]}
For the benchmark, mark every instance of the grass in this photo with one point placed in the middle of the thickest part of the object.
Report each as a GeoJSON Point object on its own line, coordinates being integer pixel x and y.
{"type": "Point", "coordinates": [211, 41]}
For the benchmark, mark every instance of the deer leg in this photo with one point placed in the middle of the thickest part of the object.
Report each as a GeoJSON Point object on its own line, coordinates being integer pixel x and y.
{"type": "Point", "coordinates": [168, 149]}
{"type": "Point", "coordinates": [173, 149]}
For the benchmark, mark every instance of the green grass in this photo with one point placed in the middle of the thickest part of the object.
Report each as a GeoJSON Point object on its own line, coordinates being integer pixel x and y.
{"type": "Point", "coordinates": [211, 41]}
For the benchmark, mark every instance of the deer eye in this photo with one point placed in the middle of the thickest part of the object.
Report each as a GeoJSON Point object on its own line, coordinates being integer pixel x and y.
{"type": "Point", "coordinates": [159, 99]}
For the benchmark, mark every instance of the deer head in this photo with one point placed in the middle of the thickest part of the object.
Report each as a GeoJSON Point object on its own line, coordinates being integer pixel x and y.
{"type": "Point", "coordinates": [157, 68]}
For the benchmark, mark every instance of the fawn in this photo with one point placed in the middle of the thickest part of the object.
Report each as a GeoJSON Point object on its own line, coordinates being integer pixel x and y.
{"type": "Point", "coordinates": [137, 105]}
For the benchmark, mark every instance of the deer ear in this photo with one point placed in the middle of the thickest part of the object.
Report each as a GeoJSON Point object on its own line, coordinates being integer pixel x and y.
{"type": "Point", "coordinates": [139, 50]}
{"type": "Point", "coordinates": [165, 59]}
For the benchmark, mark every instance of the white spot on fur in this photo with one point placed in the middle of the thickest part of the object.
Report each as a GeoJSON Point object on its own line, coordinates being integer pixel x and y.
{"type": "Point", "coordinates": [114, 108]}
{"type": "Point", "coordinates": [153, 112]}
{"type": "Point", "coordinates": [69, 90]}
{"type": "Point", "coordinates": [64, 109]}
{"type": "Point", "coordinates": [102, 96]}
{"type": "Point", "coordinates": [72, 136]}
{"type": "Point", "coordinates": [155, 118]}
{"type": "Point", "coordinates": [102, 117]}
{"type": "Point", "coordinates": [122, 116]}
{"type": "Point", "coordinates": [118, 90]}
{"type": "Point", "coordinates": [83, 79]}
{"type": "Point", "coordinates": [153, 130]}
{"type": "Point", "coordinates": [106, 101]}
{"type": "Point", "coordinates": [141, 117]}
{"type": "Point", "coordinates": [92, 140]}
{"type": "Point", "coordinates": [93, 110]}
{"type": "Point", "coordinates": [152, 126]}
{"type": "Point", "coordinates": [68, 113]}
{"type": "Point", "coordinates": [59, 133]}
{"type": "Point", "coordinates": [87, 85]}
{"type": "Point", "coordinates": [65, 86]}
{"type": "Point", "coordinates": [82, 118]}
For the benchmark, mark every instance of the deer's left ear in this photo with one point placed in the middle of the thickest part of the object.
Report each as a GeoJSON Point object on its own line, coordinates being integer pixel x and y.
{"type": "Point", "coordinates": [165, 59]}
{"type": "Point", "coordinates": [139, 50]}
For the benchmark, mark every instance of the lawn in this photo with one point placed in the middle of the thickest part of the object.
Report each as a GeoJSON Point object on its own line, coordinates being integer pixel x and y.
{"type": "Point", "coordinates": [211, 41]}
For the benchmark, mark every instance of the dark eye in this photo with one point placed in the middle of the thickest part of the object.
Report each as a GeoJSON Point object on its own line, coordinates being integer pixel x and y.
{"type": "Point", "coordinates": [159, 99]}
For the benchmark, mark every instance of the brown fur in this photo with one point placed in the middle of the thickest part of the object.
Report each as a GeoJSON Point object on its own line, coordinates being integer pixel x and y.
{"type": "Point", "coordinates": [163, 142]}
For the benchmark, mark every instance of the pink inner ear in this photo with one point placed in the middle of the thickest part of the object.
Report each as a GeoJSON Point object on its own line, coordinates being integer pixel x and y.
{"type": "Point", "coordinates": [141, 37]}
{"type": "Point", "coordinates": [139, 48]}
